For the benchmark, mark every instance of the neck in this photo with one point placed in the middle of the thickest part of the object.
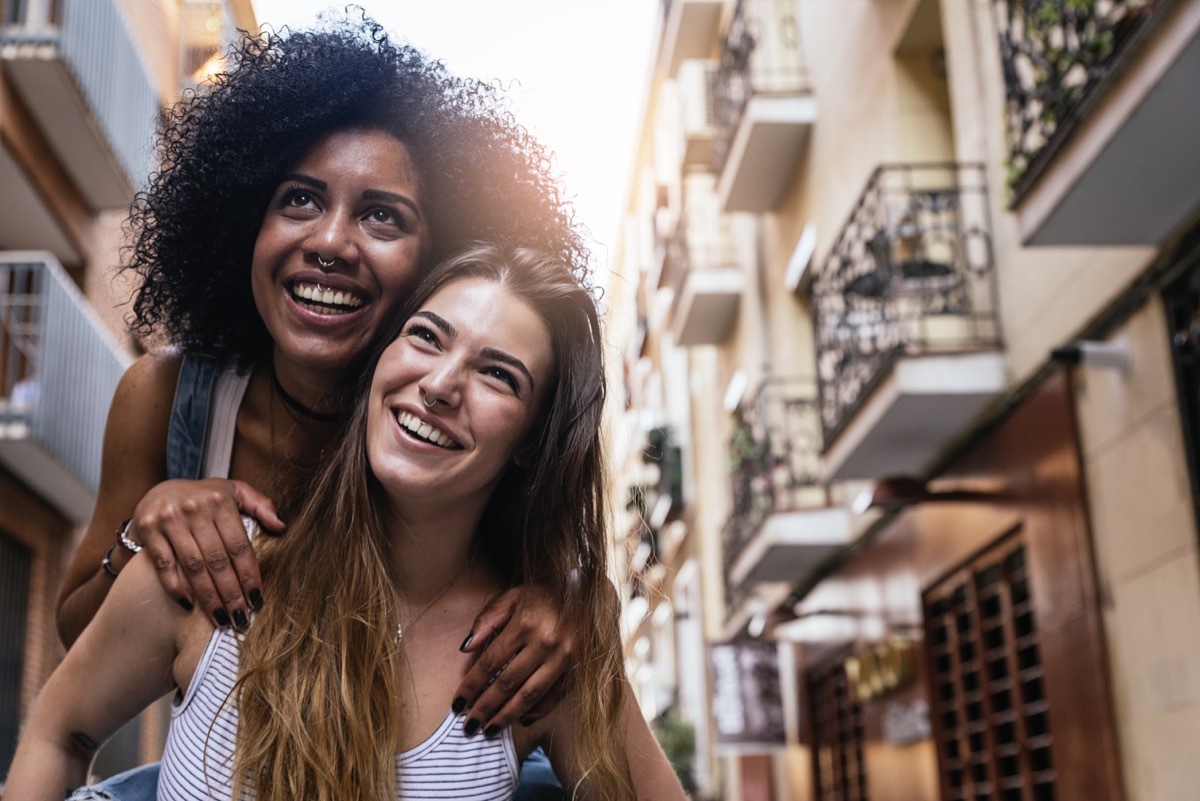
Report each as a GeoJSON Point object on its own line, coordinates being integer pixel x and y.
{"type": "Point", "coordinates": [316, 396]}
{"type": "Point", "coordinates": [433, 552]}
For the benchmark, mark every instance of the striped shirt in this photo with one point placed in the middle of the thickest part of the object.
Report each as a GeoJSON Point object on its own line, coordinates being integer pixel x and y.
{"type": "Point", "coordinates": [197, 763]}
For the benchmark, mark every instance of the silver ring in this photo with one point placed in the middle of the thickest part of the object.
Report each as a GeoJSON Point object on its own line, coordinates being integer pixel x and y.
{"type": "Point", "coordinates": [325, 265]}
{"type": "Point", "coordinates": [425, 400]}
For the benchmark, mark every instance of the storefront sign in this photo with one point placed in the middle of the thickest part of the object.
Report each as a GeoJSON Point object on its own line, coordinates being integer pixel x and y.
{"type": "Point", "coordinates": [747, 697]}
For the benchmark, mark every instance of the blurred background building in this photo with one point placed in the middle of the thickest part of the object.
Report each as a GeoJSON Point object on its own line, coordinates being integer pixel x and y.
{"type": "Point", "coordinates": [81, 84]}
{"type": "Point", "coordinates": [905, 342]}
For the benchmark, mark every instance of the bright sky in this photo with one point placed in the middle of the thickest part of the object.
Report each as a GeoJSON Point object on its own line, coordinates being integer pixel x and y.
{"type": "Point", "coordinates": [576, 70]}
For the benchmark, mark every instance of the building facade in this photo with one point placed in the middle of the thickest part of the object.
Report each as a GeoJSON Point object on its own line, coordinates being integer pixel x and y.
{"type": "Point", "coordinates": [906, 298]}
{"type": "Point", "coordinates": [81, 85]}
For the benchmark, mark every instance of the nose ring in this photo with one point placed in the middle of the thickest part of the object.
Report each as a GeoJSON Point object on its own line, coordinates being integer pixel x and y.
{"type": "Point", "coordinates": [325, 265]}
{"type": "Point", "coordinates": [425, 399]}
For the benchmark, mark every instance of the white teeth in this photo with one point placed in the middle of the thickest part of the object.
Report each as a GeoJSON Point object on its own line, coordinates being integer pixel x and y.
{"type": "Point", "coordinates": [424, 430]}
{"type": "Point", "coordinates": [327, 297]}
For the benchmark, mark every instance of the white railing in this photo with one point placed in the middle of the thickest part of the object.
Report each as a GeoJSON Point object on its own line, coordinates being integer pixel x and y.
{"type": "Point", "coordinates": [59, 366]}
{"type": "Point", "coordinates": [95, 44]}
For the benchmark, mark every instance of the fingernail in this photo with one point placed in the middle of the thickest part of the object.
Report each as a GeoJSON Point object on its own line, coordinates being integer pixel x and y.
{"type": "Point", "coordinates": [527, 721]}
{"type": "Point", "coordinates": [221, 617]}
{"type": "Point", "coordinates": [459, 705]}
{"type": "Point", "coordinates": [491, 731]}
{"type": "Point", "coordinates": [186, 604]}
{"type": "Point", "coordinates": [467, 642]}
{"type": "Point", "coordinates": [255, 600]}
{"type": "Point", "coordinates": [471, 727]}
{"type": "Point", "coordinates": [239, 619]}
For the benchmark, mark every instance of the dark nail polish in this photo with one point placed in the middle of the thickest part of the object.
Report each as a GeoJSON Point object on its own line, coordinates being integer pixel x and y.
{"type": "Point", "coordinates": [467, 642]}
{"type": "Point", "coordinates": [471, 727]}
{"type": "Point", "coordinates": [185, 603]}
{"type": "Point", "coordinates": [527, 722]}
{"type": "Point", "coordinates": [239, 619]}
{"type": "Point", "coordinates": [255, 600]}
{"type": "Point", "coordinates": [491, 731]}
{"type": "Point", "coordinates": [221, 617]}
{"type": "Point", "coordinates": [459, 705]}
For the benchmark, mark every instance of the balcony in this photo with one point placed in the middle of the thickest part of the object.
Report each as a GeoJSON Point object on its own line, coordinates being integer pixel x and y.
{"type": "Point", "coordinates": [77, 69]}
{"type": "Point", "coordinates": [703, 268]}
{"type": "Point", "coordinates": [59, 368]}
{"type": "Point", "coordinates": [763, 106]}
{"type": "Point", "coordinates": [780, 527]}
{"type": "Point", "coordinates": [689, 31]}
{"type": "Point", "coordinates": [696, 84]}
{"type": "Point", "coordinates": [907, 334]}
{"type": "Point", "coordinates": [1102, 118]}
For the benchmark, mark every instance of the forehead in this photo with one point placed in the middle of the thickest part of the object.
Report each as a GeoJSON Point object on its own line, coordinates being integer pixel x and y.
{"type": "Point", "coordinates": [369, 156]}
{"type": "Point", "coordinates": [488, 314]}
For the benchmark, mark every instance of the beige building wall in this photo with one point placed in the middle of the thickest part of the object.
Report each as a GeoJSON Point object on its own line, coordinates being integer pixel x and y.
{"type": "Point", "coordinates": [1145, 542]}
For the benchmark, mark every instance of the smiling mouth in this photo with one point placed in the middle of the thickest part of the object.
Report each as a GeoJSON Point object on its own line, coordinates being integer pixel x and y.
{"type": "Point", "coordinates": [425, 432]}
{"type": "Point", "coordinates": [323, 300]}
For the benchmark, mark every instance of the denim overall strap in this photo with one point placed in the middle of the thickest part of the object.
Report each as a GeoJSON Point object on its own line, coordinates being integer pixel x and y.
{"type": "Point", "coordinates": [188, 430]}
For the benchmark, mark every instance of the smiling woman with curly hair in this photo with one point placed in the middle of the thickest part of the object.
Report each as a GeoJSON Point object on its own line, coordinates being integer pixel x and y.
{"type": "Point", "coordinates": [299, 197]}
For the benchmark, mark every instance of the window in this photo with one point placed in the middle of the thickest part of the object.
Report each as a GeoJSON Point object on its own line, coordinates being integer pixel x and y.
{"type": "Point", "coordinates": [989, 710]}
{"type": "Point", "coordinates": [839, 769]}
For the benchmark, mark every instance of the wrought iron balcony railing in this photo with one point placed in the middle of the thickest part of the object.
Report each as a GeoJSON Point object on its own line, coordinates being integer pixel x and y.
{"type": "Point", "coordinates": [760, 55]}
{"type": "Point", "coordinates": [96, 47]}
{"type": "Point", "coordinates": [774, 457]}
{"type": "Point", "coordinates": [59, 368]}
{"type": "Point", "coordinates": [1054, 54]}
{"type": "Point", "coordinates": [911, 272]}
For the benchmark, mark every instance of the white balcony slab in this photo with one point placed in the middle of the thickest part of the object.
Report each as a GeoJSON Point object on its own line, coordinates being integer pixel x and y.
{"type": "Point", "coordinates": [708, 306]}
{"type": "Point", "coordinates": [28, 221]}
{"type": "Point", "coordinates": [791, 545]}
{"type": "Point", "coordinates": [689, 31]}
{"type": "Point", "coordinates": [765, 151]}
{"type": "Point", "coordinates": [1129, 174]}
{"type": "Point", "coordinates": [918, 409]}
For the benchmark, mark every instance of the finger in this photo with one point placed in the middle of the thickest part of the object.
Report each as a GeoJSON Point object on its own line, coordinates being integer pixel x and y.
{"type": "Point", "coordinates": [549, 700]}
{"type": "Point", "coordinates": [509, 686]}
{"type": "Point", "coordinates": [532, 691]}
{"type": "Point", "coordinates": [213, 544]}
{"type": "Point", "coordinates": [243, 564]}
{"type": "Point", "coordinates": [259, 506]}
{"type": "Point", "coordinates": [190, 564]}
{"type": "Point", "coordinates": [491, 620]}
{"type": "Point", "coordinates": [162, 556]}
{"type": "Point", "coordinates": [488, 662]}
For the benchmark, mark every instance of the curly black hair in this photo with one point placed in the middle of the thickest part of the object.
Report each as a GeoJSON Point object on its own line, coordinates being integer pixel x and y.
{"type": "Point", "coordinates": [224, 148]}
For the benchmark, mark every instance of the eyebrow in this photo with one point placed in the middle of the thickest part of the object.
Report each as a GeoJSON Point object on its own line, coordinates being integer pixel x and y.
{"type": "Point", "coordinates": [491, 353]}
{"type": "Point", "coordinates": [369, 194]}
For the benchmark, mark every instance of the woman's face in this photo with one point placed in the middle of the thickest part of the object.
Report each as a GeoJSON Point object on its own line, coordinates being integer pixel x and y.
{"type": "Point", "coordinates": [339, 248]}
{"type": "Point", "coordinates": [483, 358]}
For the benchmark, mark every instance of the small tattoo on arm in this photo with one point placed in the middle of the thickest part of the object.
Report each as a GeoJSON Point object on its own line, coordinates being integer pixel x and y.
{"type": "Point", "coordinates": [85, 743]}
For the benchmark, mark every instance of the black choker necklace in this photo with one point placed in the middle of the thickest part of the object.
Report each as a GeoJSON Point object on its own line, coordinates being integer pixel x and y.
{"type": "Point", "coordinates": [297, 406]}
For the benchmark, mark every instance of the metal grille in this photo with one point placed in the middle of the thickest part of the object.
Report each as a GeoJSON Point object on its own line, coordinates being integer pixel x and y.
{"type": "Point", "coordinates": [911, 272]}
{"type": "Point", "coordinates": [990, 715]}
{"type": "Point", "coordinates": [1054, 53]}
{"type": "Point", "coordinates": [839, 770]}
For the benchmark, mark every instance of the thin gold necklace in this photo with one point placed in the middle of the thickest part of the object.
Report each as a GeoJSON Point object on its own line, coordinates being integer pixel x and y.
{"type": "Point", "coordinates": [413, 621]}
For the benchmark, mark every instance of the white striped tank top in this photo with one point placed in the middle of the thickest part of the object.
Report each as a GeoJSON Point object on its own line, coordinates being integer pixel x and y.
{"type": "Point", "coordinates": [197, 764]}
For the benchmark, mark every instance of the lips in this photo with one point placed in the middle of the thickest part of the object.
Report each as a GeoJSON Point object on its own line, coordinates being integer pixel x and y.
{"type": "Point", "coordinates": [325, 300]}
{"type": "Point", "coordinates": [425, 431]}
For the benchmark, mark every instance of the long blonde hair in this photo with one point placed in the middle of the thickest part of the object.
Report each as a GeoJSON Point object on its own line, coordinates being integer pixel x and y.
{"type": "Point", "coordinates": [319, 678]}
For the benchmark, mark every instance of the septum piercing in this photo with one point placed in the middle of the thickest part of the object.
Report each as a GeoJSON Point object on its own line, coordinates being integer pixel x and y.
{"type": "Point", "coordinates": [325, 265]}
{"type": "Point", "coordinates": [429, 404]}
